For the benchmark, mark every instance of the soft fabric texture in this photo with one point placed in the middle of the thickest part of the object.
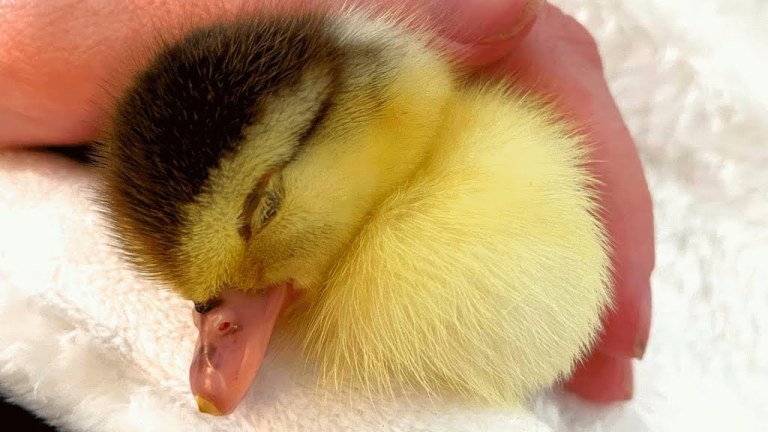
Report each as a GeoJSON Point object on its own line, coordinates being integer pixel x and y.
{"type": "Point", "coordinates": [89, 346]}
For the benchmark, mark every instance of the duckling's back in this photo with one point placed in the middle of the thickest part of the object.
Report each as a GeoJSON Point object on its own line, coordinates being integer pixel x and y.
{"type": "Point", "coordinates": [485, 273]}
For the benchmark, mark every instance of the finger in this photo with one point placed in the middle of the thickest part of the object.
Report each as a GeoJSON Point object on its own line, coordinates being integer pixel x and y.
{"type": "Point", "coordinates": [559, 57]}
{"type": "Point", "coordinates": [500, 30]}
{"type": "Point", "coordinates": [59, 61]}
{"type": "Point", "coordinates": [477, 32]}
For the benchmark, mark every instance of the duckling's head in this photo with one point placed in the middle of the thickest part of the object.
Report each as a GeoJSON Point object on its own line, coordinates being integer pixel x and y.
{"type": "Point", "coordinates": [246, 155]}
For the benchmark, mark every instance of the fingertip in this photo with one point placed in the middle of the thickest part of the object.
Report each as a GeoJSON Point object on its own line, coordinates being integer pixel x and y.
{"type": "Point", "coordinates": [481, 32]}
{"type": "Point", "coordinates": [484, 21]}
{"type": "Point", "coordinates": [603, 379]}
{"type": "Point", "coordinates": [478, 55]}
{"type": "Point", "coordinates": [643, 322]}
{"type": "Point", "coordinates": [476, 32]}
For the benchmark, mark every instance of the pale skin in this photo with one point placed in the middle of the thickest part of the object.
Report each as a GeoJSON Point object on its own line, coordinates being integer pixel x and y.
{"type": "Point", "coordinates": [61, 62]}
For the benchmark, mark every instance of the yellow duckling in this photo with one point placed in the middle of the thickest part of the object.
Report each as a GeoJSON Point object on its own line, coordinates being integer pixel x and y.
{"type": "Point", "coordinates": [411, 226]}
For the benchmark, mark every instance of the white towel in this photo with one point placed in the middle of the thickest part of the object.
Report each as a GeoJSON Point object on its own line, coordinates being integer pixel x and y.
{"type": "Point", "coordinates": [90, 347]}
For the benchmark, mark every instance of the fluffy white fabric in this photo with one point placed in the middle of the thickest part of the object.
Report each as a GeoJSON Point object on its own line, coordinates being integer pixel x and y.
{"type": "Point", "coordinates": [87, 345]}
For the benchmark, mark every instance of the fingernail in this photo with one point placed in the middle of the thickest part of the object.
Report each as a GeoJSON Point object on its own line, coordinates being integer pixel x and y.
{"type": "Point", "coordinates": [643, 322]}
{"type": "Point", "coordinates": [640, 345]}
{"type": "Point", "coordinates": [486, 21]}
{"type": "Point", "coordinates": [527, 16]}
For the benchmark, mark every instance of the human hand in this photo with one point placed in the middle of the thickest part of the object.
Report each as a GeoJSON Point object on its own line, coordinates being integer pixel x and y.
{"type": "Point", "coordinates": [61, 62]}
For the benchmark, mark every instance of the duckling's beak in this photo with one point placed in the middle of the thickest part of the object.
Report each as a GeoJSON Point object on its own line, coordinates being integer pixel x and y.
{"type": "Point", "coordinates": [231, 345]}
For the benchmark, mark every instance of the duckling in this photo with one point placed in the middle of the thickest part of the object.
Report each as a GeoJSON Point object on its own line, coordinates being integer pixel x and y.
{"type": "Point", "coordinates": [336, 175]}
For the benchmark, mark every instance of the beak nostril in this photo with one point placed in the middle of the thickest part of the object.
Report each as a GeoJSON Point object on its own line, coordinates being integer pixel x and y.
{"type": "Point", "coordinates": [224, 326]}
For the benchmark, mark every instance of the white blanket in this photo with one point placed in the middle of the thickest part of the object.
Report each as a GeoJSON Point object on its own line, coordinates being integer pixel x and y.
{"type": "Point", "coordinates": [89, 346]}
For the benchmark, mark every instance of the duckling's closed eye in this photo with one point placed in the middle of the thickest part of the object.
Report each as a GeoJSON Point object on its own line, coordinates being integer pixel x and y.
{"type": "Point", "coordinates": [262, 204]}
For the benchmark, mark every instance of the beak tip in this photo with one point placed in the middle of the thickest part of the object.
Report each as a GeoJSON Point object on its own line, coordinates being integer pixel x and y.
{"type": "Point", "coordinates": [207, 407]}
